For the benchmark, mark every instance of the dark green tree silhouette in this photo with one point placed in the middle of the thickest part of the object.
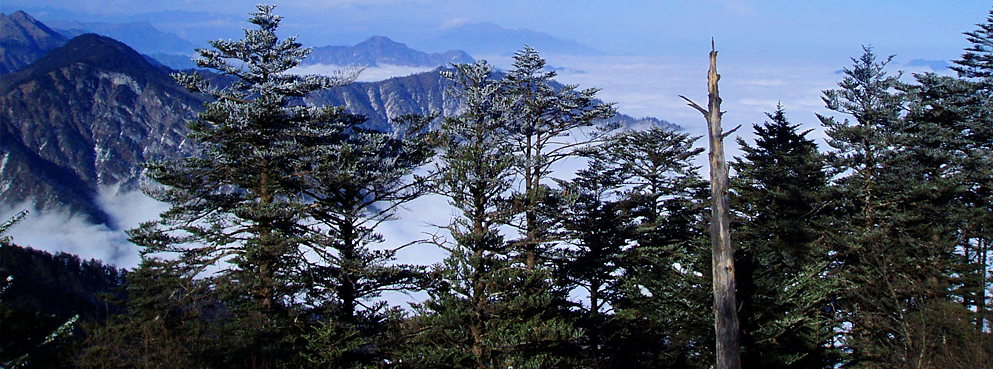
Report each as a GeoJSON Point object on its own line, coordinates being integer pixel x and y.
{"type": "Point", "coordinates": [779, 193]}
{"type": "Point", "coordinates": [891, 237]}
{"type": "Point", "coordinates": [661, 296]}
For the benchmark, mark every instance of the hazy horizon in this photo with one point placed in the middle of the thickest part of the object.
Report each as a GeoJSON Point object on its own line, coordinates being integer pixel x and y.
{"type": "Point", "coordinates": [927, 29]}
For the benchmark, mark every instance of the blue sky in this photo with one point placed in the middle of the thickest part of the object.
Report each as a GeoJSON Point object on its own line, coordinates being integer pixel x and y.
{"type": "Point", "coordinates": [927, 29]}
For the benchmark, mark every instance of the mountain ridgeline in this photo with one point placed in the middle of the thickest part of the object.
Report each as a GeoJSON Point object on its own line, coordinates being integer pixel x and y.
{"type": "Point", "coordinates": [492, 39]}
{"type": "Point", "coordinates": [86, 115]}
{"type": "Point", "coordinates": [379, 50]}
{"type": "Point", "coordinates": [422, 93]}
{"type": "Point", "coordinates": [24, 40]}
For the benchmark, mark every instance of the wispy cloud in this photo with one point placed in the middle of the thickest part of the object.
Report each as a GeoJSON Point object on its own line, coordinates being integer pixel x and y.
{"type": "Point", "coordinates": [55, 230]}
{"type": "Point", "coordinates": [369, 74]}
{"type": "Point", "coordinates": [452, 23]}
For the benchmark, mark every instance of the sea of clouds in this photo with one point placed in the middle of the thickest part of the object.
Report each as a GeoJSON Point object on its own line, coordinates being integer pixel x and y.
{"type": "Point", "coordinates": [640, 87]}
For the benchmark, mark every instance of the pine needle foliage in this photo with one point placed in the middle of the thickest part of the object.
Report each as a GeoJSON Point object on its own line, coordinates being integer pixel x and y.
{"type": "Point", "coordinates": [281, 206]}
{"type": "Point", "coordinates": [488, 308]}
{"type": "Point", "coordinates": [779, 190]}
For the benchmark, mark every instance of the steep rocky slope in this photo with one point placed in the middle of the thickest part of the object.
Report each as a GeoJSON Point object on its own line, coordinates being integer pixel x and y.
{"type": "Point", "coordinates": [85, 116]}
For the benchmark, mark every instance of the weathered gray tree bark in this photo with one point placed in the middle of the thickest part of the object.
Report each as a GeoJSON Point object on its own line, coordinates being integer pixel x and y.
{"type": "Point", "coordinates": [725, 308]}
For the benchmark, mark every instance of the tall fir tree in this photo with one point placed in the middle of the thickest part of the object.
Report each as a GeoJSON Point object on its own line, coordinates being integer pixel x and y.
{"type": "Point", "coordinates": [892, 242]}
{"type": "Point", "coordinates": [945, 128]}
{"type": "Point", "coordinates": [280, 200]}
{"type": "Point", "coordinates": [357, 181]}
{"type": "Point", "coordinates": [478, 316]}
{"type": "Point", "coordinates": [598, 228]}
{"type": "Point", "coordinates": [969, 103]}
{"type": "Point", "coordinates": [544, 125]}
{"type": "Point", "coordinates": [661, 296]}
{"type": "Point", "coordinates": [778, 194]}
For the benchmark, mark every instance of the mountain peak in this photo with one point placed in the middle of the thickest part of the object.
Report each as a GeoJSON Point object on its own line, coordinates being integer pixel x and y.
{"type": "Point", "coordinates": [93, 50]}
{"type": "Point", "coordinates": [380, 40]}
{"type": "Point", "coordinates": [382, 44]}
{"type": "Point", "coordinates": [80, 119]}
{"type": "Point", "coordinates": [97, 50]}
{"type": "Point", "coordinates": [382, 50]}
{"type": "Point", "coordinates": [23, 40]}
{"type": "Point", "coordinates": [22, 28]}
{"type": "Point", "coordinates": [21, 17]}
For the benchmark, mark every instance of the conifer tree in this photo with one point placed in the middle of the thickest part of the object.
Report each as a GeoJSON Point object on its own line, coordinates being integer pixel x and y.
{"type": "Point", "coordinates": [662, 296]}
{"type": "Point", "coordinates": [780, 187]}
{"type": "Point", "coordinates": [541, 123]}
{"type": "Point", "coordinates": [278, 181]}
{"type": "Point", "coordinates": [892, 245]}
{"type": "Point", "coordinates": [477, 315]}
{"type": "Point", "coordinates": [966, 105]}
{"type": "Point", "coordinates": [949, 141]}
{"type": "Point", "coordinates": [977, 61]}
{"type": "Point", "coordinates": [357, 181]}
{"type": "Point", "coordinates": [598, 228]}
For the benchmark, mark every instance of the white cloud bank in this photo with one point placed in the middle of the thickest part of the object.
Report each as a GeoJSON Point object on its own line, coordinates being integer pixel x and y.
{"type": "Point", "coordinates": [369, 74]}
{"type": "Point", "coordinates": [55, 230]}
{"type": "Point", "coordinates": [641, 86]}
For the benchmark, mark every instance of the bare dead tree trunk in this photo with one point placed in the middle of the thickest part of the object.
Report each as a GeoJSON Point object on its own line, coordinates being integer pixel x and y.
{"type": "Point", "coordinates": [984, 250]}
{"type": "Point", "coordinates": [725, 307]}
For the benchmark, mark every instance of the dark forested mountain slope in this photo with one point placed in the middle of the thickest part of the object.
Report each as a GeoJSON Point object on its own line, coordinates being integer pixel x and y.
{"type": "Point", "coordinates": [62, 284]}
{"type": "Point", "coordinates": [41, 294]}
{"type": "Point", "coordinates": [24, 40]}
{"type": "Point", "coordinates": [84, 116]}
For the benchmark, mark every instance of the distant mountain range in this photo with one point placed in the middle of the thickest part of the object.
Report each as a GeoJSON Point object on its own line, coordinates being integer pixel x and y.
{"type": "Point", "coordinates": [85, 115]}
{"type": "Point", "coordinates": [934, 65]}
{"type": "Point", "coordinates": [141, 36]}
{"type": "Point", "coordinates": [381, 50]}
{"type": "Point", "coordinates": [165, 48]}
{"type": "Point", "coordinates": [177, 53]}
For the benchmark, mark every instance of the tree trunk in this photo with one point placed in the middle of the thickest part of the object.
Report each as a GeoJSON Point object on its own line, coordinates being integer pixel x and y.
{"type": "Point", "coordinates": [725, 309]}
{"type": "Point", "coordinates": [983, 283]}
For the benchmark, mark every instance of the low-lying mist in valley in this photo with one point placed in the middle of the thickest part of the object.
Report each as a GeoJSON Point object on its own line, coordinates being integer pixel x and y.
{"type": "Point", "coordinates": [55, 230]}
{"type": "Point", "coordinates": [640, 87]}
